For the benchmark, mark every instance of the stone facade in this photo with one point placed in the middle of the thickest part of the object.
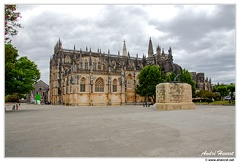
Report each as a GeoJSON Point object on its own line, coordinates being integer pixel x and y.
{"type": "Point", "coordinates": [201, 82]}
{"type": "Point", "coordinates": [80, 77]}
{"type": "Point", "coordinates": [173, 96]}
{"type": "Point", "coordinates": [40, 88]}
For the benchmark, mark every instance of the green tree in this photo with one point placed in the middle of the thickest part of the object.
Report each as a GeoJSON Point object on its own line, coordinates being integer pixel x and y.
{"type": "Point", "coordinates": [11, 18]}
{"type": "Point", "coordinates": [222, 89]}
{"type": "Point", "coordinates": [200, 93]}
{"type": "Point", "coordinates": [170, 77]}
{"type": "Point", "coordinates": [209, 95]}
{"type": "Point", "coordinates": [23, 77]}
{"type": "Point", "coordinates": [11, 55]}
{"type": "Point", "coordinates": [231, 89]}
{"type": "Point", "coordinates": [206, 95]}
{"type": "Point", "coordinates": [149, 77]}
{"type": "Point", "coordinates": [186, 77]}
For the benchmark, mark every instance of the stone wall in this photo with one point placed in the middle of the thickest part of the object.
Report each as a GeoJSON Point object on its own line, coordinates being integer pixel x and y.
{"type": "Point", "coordinates": [172, 96]}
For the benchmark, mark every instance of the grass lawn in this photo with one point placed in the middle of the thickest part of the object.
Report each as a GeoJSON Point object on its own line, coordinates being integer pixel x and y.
{"type": "Point", "coordinates": [216, 103]}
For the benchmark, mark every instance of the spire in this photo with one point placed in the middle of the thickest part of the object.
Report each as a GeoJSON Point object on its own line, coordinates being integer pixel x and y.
{"type": "Point", "coordinates": [74, 51]}
{"type": "Point", "coordinates": [158, 50]}
{"type": "Point", "coordinates": [80, 53]}
{"type": "Point", "coordinates": [60, 43]}
{"type": "Point", "coordinates": [170, 50]}
{"type": "Point", "coordinates": [144, 61]}
{"type": "Point", "coordinates": [124, 49]}
{"type": "Point", "coordinates": [206, 79]}
{"type": "Point", "coordinates": [150, 48]}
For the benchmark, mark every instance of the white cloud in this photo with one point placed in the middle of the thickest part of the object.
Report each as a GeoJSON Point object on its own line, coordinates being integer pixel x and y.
{"type": "Point", "coordinates": [161, 12]}
{"type": "Point", "coordinates": [202, 37]}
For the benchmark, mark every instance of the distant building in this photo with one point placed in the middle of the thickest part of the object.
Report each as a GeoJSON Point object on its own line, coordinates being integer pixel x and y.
{"type": "Point", "coordinates": [201, 82]}
{"type": "Point", "coordinates": [40, 88]}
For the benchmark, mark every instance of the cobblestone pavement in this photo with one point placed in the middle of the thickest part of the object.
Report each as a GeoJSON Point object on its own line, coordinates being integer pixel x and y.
{"type": "Point", "coordinates": [121, 131]}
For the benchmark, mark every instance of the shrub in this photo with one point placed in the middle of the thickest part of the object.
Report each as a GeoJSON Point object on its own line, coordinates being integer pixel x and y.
{"type": "Point", "coordinates": [11, 98]}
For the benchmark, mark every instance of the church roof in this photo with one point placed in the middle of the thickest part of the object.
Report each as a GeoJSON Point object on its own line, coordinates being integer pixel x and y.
{"type": "Point", "coordinates": [42, 83]}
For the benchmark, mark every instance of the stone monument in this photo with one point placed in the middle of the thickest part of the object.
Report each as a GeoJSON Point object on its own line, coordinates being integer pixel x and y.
{"type": "Point", "coordinates": [174, 96]}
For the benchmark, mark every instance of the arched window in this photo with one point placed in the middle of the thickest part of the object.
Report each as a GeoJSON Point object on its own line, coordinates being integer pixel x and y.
{"type": "Point", "coordinates": [99, 85]}
{"type": "Point", "coordinates": [83, 85]}
{"type": "Point", "coordinates": [67, 59]}
{"type": "Point", "coordinates": [115, 85]}
{"type": "Point", "coordinates": [86, 64]}
{"type": "Point", "coordinates": [133, 65]}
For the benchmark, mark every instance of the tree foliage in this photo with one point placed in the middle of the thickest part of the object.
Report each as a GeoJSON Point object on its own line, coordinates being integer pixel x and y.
{"type": "Point", "coordinates": [11, 55]}
{"type": "Point", "coordinates": [225, 90]}
{"type": "Point", "coordinates": [221, 89]}
{"type": "Point", "coordinates": [23, 77]}
{"type": "Point", "coordinates": [11, 18]}
{"type": "Point", "coordinates": [186, 77]}
{"type": "Point", "coordinates": [20, 74]}
{"type": "Point", "coordinates": [208, 96]}
{"type": "Point", "coordinates": [149, 77]}
{"type": "Point", "coordinates": [231, 89]}
{"type": "Point", "coordinates": [170, 77]}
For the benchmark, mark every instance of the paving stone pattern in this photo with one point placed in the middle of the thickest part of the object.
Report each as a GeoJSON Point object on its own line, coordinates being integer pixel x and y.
{"type": "Point", "coordinates": [121, 131]}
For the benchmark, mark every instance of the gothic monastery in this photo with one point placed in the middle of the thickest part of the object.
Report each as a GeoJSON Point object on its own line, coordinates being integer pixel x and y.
{"type": "Point", "coordinates": [93, 78]}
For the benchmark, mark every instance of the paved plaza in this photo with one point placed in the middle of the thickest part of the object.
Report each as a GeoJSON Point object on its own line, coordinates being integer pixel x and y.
{"type": "Point", "coordinates": [121, 131]}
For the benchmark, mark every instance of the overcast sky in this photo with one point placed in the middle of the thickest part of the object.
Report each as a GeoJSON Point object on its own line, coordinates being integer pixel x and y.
{"type": "Point", "coordinates": [202, 37]}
